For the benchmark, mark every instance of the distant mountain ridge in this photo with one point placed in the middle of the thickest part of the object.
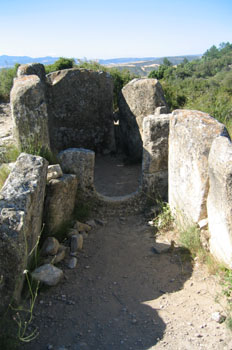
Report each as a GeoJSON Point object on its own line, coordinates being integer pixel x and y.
{"type": "Point", "coordinates": [9, 61]}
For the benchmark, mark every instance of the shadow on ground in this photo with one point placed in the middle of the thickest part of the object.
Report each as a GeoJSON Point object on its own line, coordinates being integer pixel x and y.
{"type": "Point", "coordinates": [106, 303]}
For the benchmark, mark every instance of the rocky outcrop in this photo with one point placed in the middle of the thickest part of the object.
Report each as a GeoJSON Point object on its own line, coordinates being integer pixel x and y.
{"type": "Point", "coordinates": [21, 207]}
{"type": "Point", "coordinates": [155, 155]}
{"type": "Point", "coordinates": [138, 99]}
{"type": "Point", "coordinates": [29, 112]}
{"type": "Point", "coordinates": [219, 203]}
{"type": "Point", "coordinates": [80, 162]}
{"type": "Point", "coordinates": [190, 139]}
{"type": "Point", "coordinates": [60, 202]}
{"type": "Point", "coordinates": [81, 110]}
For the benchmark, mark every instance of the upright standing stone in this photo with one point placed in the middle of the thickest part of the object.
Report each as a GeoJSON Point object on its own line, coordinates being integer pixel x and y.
{"type": "Point", "coordinates": [138, 99]}
{"type": "Point", "coordinates": [29, 112]}
{"type": "Point", "coordinates": [60, 202]}
{"type": "Point", "coordinates": [190, 139]}
{"type": "Point", "coordinates": [21, 208]}
{"type": "Point", "coordinates": [155, 155]}
{"type": "Point", "coordinates": [80, 105]}
{"type": "Point", "coordinates": [219, 203]}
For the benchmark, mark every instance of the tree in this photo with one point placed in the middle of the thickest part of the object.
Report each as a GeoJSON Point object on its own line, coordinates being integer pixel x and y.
{"type": "Point", "coordinates": [166, 62]}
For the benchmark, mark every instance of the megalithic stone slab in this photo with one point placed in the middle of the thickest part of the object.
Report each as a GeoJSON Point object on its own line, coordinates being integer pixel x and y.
{"type": "Point", "coordinates": [21, 208]}
{"type": "Point", "coordinates": [219, 202]}
{"type": "Point", "coordinates": [190, 139]}
{"type": "Point", "coordinates": [29, 112]}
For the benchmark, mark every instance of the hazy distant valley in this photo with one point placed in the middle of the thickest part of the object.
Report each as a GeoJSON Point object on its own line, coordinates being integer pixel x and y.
{"type": "Point", "coordinates": [140, 66]}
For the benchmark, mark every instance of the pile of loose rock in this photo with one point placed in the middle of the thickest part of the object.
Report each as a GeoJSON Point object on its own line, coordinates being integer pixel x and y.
{"type": "Point", "coordinates": [53, 252]}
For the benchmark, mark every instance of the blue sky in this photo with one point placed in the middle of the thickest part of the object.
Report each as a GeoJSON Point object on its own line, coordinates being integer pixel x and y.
{"type": "Point", "coordinates": [109, 29]}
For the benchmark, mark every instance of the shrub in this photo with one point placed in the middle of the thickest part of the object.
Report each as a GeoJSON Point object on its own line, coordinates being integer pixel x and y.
{"type": "Point", "coordinates": [7, 76]}
{"type": "Point", "coordinates": [61, 63]}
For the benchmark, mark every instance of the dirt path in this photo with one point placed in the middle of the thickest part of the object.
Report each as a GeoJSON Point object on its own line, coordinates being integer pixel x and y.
{"type": "Point", "coordinates": [115, 178]}
{"type": "Point", "coordinates": [123, 296]}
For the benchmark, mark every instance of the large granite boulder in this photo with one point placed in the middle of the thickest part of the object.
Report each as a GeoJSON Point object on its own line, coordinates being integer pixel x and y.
{"type": "Point", "coordinates": [21, 208]}
{"type": "Point", "coordinates": [190, 139]}
{"type": "Point", "coordinates": [60, 202]}
{"type": "Point", "coordinates": [29, 112]}
{"type": "Point", "coordinates": [219, 202]}
{"type": "Point", "coordinates": [138, 99]}
{"type": "Point", "coordinates": [81, 110]}
{"type": "Point", "coordinates": [155, 155]}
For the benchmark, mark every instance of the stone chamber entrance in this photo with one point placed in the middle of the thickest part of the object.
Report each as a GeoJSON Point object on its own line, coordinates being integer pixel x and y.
{"type": "Point", "coordinates": [114, 177]}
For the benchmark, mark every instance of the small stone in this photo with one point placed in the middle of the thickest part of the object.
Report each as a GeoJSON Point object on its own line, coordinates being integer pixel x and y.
{"type": "Point", "coordinates": [218, 317]}
{"type": "Point", "coordinates": [72, 232]}
{"type": "Point", "coordinates": [50, 246]}
{"type": "Point", "coordinates": [60, 254]}
{"type": "Point", "coordinates": [76, 243]}
{"type": "Point", "coordinates": [48, 274]}
{"type": "Point", "coordinates": [50, 347]}
{"type": "Point", "coordinates": [84, 234]}
{"type": "Point", "coordinates": [54, 172]}
{"type": "Point", "coordinates": [91, 223]}
{"type": "Point", "coordinates": [82, 227]}
{"type": "Point", "coordinates": [134, 321]}
{"type": "Point", "coordinates": [100, 222]}
{"type": "Point", "coordinates": [72, 263]}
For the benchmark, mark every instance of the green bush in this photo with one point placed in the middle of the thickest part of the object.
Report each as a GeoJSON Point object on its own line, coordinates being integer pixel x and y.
{"type": "Point", "coordinates": [7, 76]}
{"type": "Point", "coordinates": [61, 63]}
{"type": "Point", "coordinates": [204, 84]}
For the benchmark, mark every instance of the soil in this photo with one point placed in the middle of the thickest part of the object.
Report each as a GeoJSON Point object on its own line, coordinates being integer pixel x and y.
{"type": "Point", "coordinates": [114, 177]}
{"type": "Point", "coordinates": [124, 294]}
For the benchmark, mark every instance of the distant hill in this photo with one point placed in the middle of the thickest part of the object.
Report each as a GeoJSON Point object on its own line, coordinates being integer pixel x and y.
{"type": "Point", "coordinates": [9, 61]}
{"type": "Point", "coordinates": [158, 60]}
{"type": "Point", "coordinates": [126, 62]}
{"type": "Point", "coordinates": [143, 66]}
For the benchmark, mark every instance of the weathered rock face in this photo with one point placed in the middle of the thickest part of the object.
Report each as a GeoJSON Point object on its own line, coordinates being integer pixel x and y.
{"type": "Point", "coordinates": [190, 139]}
{"type": "Point", "coordinates": [29, 112]}
{"type": "Point", "coordinates": [80, 110]}
{"type": "Point", "coordinates": [80, 162]}
{"type": "Point", "coordinates": [155, 155]}
{"type": "Point", "coordinates": [21, 207]}
{"type": "Point", "coordinates": [219, 203]}
{"type": "Point", "coordinates": [138, 99]}
{"type": "Point", "coordinates": [60, 201]}
{"type": "Point", "coordinates": [32, 69]}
